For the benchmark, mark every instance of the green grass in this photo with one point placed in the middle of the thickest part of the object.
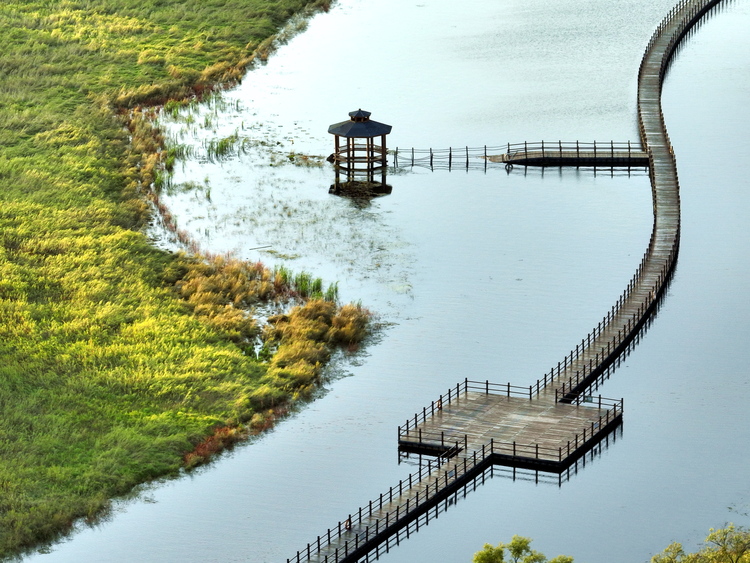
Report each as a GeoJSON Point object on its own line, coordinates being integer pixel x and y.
{"type": "Point", "coordinates": [119, 362]}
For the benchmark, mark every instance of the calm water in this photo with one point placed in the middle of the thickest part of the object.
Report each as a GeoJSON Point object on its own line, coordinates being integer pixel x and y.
{"type": "Point", "coordinates": [490, 276]}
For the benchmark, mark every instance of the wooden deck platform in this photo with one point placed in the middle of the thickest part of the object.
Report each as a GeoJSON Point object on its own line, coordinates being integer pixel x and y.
{"type": "Point", "coordinates": [535, 434]}
{"type": "Point", "coordinates": [599, 155]}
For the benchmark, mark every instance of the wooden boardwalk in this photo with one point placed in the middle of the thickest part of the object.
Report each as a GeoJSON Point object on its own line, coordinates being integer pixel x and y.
{"type": "Point", "coordinates": [558, 153]}
{"type": "Point", "coordinates": [550, 424]}
{"type": "Point", "coordinates": [599, 155]}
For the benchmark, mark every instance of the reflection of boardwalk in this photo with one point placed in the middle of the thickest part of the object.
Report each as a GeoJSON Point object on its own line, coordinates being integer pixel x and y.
{"type": "Point", "coordinates": [551, 423]}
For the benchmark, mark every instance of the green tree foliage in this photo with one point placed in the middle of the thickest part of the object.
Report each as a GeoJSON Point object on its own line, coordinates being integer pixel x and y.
{"type": "Point", "coordinates": [725, 545]}
{"type": "Point", "coordinates": [518, 551]}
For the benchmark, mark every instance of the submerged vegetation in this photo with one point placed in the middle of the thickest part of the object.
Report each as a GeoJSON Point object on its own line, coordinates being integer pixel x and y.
{"type": "Point", "coordinates": [121, 362]}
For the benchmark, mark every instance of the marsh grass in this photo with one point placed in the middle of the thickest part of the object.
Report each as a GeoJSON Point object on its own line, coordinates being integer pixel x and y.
{"type": "Point", "coordinates": [303, 339]}
{"type": "Point", "coordinates": [218, 149]}
{"type": "Point", "coordinates": [118, 360]}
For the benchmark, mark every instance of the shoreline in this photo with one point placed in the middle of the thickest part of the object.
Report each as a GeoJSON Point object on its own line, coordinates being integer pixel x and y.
{"type": "Point", "coordinates": [126, 363]}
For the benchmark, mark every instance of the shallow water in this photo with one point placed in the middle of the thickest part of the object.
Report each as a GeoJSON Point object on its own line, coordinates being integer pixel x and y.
{"type": "Point", "coordinates": [487, 276]}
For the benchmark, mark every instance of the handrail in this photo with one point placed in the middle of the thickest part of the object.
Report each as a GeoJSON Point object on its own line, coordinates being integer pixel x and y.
{"type": "Point", "coordinates": [571, 146]}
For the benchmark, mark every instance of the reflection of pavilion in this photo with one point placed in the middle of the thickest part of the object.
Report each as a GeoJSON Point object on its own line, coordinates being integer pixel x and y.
{"type": "Point", "coordinates": [358, 159]}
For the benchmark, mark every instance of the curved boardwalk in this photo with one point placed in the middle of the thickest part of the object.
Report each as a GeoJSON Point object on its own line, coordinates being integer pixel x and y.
{"type": "Point", "coordinates": [621, 324]}
{"type": "Point", "coordinates": [478, 424]}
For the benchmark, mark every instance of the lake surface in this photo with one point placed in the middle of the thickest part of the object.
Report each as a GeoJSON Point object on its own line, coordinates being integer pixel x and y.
{"type": "Point", "coordinates": [487, 276]}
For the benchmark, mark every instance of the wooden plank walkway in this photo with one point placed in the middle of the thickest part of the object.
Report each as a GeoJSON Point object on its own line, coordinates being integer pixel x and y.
{"type": "Point", "coordinates": [600, 155]}
{"type": "Point", "coordinates": [477, 424]}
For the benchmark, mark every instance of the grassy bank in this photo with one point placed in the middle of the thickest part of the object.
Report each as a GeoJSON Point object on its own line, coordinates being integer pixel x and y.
{"type": "Point", "coordinates": [119, 362]}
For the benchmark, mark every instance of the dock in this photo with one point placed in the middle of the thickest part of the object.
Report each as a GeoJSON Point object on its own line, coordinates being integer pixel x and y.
{"type": "Point", "coordinates": [549, 425]}
{"type": "Point", "coordinates": [517, 426]}
{"type": "Point", "coordinates": [578, 154]}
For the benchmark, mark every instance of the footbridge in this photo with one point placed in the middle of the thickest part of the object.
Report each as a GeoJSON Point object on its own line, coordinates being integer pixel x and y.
{"type": "Point", "coordinates": [551, 424]}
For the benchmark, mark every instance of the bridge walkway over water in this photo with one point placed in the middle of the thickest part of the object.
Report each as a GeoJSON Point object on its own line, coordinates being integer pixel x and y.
{"type": "Point", "coordinates": [535, 421]}
{"type": "Point", "coordinates": [599, 155]}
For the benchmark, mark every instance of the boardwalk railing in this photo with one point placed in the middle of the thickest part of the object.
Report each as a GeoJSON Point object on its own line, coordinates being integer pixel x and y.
{"type": "Point", "coordinates": [607, 148]}
{"type": "Point", "coordinates": [474, 158]}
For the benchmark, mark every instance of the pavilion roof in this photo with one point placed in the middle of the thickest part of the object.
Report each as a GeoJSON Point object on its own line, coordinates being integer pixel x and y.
{"type": "Point", "coordinates": [359, 126]}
